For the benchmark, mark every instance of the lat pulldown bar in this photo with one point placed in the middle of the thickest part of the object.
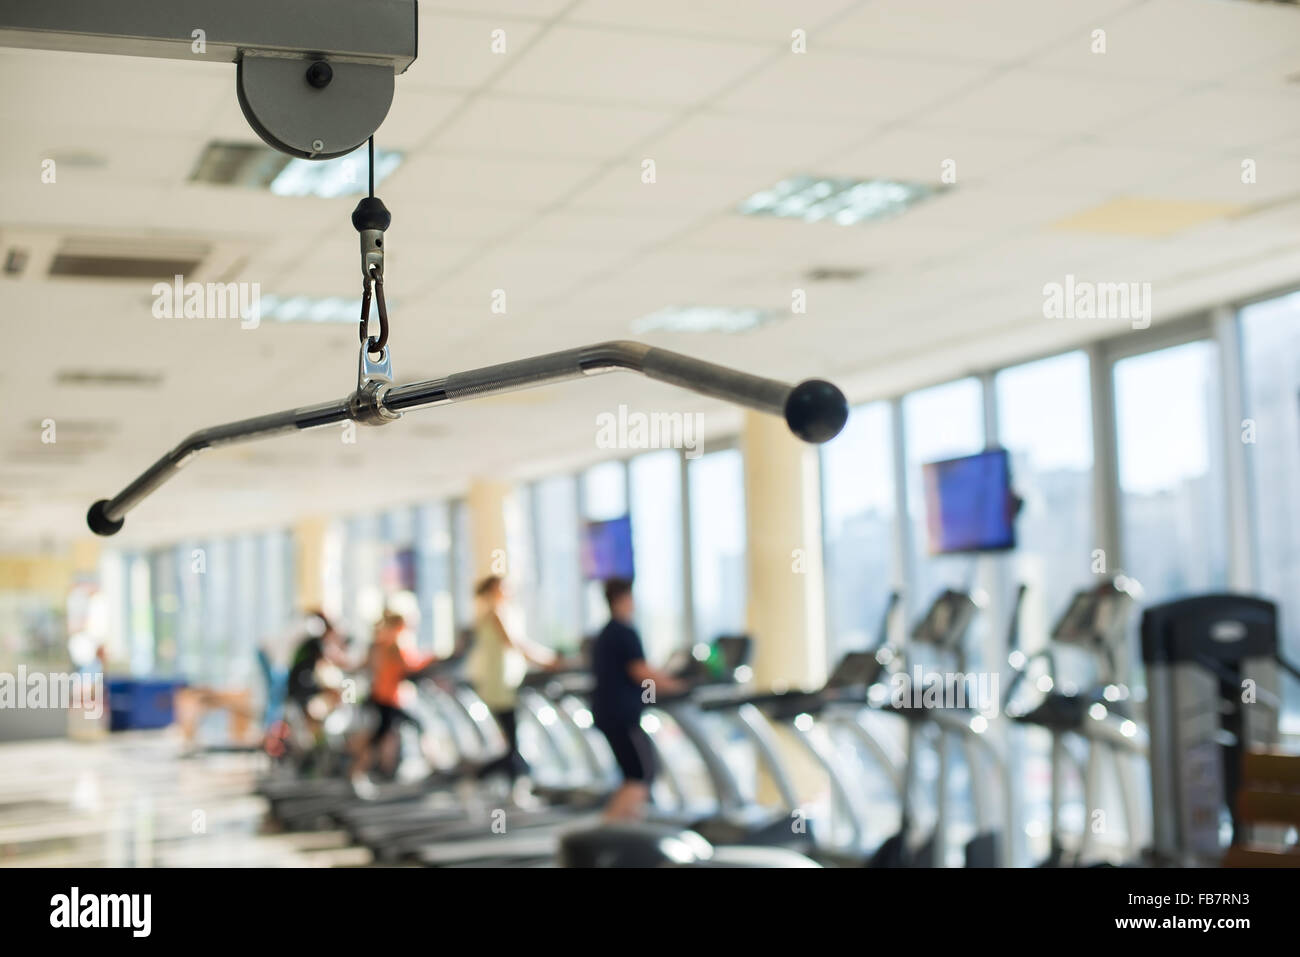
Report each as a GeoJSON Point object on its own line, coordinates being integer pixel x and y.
{"type": "Point", "coordinates": [814, 409]}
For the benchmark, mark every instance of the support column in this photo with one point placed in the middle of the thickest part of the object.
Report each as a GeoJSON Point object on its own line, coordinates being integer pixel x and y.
{"type": "Point", "coordinates": [309, 554]}
{"type": "Point", "coordinates": [786, 612]}
{"type": "Point", "coordinates": [486, 501]}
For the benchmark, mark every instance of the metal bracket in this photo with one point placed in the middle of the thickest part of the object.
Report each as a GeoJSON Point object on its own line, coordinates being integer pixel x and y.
{"type": "Point", "coordinates": [314, 77]}
{"type": "Point", "coordinates": [374, 379]}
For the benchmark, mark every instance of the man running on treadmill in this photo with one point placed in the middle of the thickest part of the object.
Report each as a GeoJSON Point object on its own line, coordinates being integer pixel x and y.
{"type": "Point", "coordinates": [624, 684]}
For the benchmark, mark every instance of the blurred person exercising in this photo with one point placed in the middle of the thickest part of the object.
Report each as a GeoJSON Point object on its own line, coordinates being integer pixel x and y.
{"type": "Point", "coordinates": [622, 676]}
{"type": "Point", "coordinates": [392, 663]}
{"type": "Point", "coordinates": [316, 671]}
{"type": "Point", "coordinates": [496, 666]}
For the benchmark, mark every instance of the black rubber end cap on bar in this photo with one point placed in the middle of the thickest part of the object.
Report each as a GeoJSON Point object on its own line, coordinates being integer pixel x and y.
{"type": "Point", "coordinates": [816, 410]}
{"type": "Point", "coordinates": [99, 522]}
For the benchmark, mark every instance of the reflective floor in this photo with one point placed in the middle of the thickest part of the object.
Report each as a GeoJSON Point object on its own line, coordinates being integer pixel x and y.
{"type": "Point", "coordinates": [132, 801]}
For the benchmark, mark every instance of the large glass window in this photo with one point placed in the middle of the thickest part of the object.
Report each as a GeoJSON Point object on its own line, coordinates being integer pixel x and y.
{"type": "Point", "coordinates": [434, 577]}
{"type": "Point", "coordinates": [942, 422]}
{"type": "Point", "coordinates": [1270, 351]}
{"type": "Point", "coordinates": [858, 519]}
{"type": "Point", "coordinates": [717, 509]}
{"type": "Point", "coordinates": [656, 507]}
{"type": "Point", "coordinates": [1045, 421]}
{"type": "Point", "coordinates": [462, 565]}
{"type": "Point", "coordinates": [556, 608]}
{"type": "Point", "coordinates": [1172, 500]}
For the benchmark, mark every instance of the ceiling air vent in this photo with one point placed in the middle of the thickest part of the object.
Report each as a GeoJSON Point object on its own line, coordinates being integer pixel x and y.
{"type": "Point", "coordinates": [835, 274]}
{"type": "Point", "coordinates": [238, 164]}
{"type": "Point", "coordinates": [111, 378]}
{"type": "Point", "coordinates": [119, 258]}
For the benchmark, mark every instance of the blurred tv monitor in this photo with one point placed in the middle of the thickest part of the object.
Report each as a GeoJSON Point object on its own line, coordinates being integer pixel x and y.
{"type": "Point", "coordinates": [607, 549]}
{"type": "Point", "coordinates": [969, 504]}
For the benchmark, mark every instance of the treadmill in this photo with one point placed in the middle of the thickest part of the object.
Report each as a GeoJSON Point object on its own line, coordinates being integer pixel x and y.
{"type": "Point", "coordinates": [534, 840]}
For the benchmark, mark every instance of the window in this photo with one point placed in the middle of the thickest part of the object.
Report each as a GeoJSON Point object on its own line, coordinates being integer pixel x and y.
{"type": "Point", "coordinates": [604, 496]}
{"type": "Point", "coordinates": [1045, 421]}
{"type": "Point", "coordinates": [433, 586]}
{"type": "Point", "coordinates": [716, 484]}
{"type": "Point", "coordinates": [942, 422]}
{"type": "Point", "coordinates": [1270, 353]}
{"type": "Point", "coordinates": [1172, 496]}
{"type": "Point", "coordinates": [556, 620]}
{"type": "Point", "coordinates": [658, 556]}
{"type": "Point", "coordinates": [462, 565]}
{"type": "Point", "coordinates": [858, 520]}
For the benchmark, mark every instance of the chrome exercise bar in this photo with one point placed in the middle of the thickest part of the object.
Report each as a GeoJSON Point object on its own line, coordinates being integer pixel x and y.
{"type": "Point", "coordinates": [814, 409]}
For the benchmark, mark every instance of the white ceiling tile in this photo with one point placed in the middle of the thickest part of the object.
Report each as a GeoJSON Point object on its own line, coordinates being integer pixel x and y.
{"type": "Point", "coordinates": [1049, 103]}
{"type": "Point", "coordinates": [610, 66]}
{"type": "Point", "coordinates": [581, 228]}
{"type": "Point", "coordinates": [519, 127]}
{"type": "Point", "coordinates": [413, 117]}
{"type": "Point", "coordinates": [918, 154]}
{"type": "Point", "coordinates": [1186, 41]}
{"type": "Point", "coordinates": [524, 9]}
{"type": "Point", "coordinates": [842, 85]}
{"type": "Point", "coordinates": [1272, 75]}
{"type": "Point", "coordinates": [430, 182]}
{"type": "Point", "coordinates": [675, 189]}
{"type": "Point", "coordinates": [1212, 120]}
{"type": "Point", "coordinates": [457, 52]}
{"type": "Point", "coordinates": [763, 21]}
{"type": "Point", "coordinates": [710, 140]}
{"type": "Point", "coordinates": [989, 31]}
{"type": "Point", "coordinates": [1220, 180]}
{"type": "Point", "coordinates": [110, 158]}
{"type": "Point", "coordinates": [1092, 169]}
{"type": "Point", "coordinates": [114, 92]}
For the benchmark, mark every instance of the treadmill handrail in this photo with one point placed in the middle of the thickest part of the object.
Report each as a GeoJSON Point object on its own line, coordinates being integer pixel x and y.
{"type": "Point", "coordinates": [814, 409]}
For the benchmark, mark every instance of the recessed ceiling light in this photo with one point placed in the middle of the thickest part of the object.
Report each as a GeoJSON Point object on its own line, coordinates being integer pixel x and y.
{"type": "Point", "coordinates": [260, 167]}
{"type": "Point", "coordinates": [816, 199]}
{"type": "Point", "coordinates": [705, 319]}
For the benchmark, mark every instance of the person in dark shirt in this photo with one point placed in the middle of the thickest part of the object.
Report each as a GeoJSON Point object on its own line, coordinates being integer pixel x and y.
{"type": "Point", "coordinates": [322, 646]}
{"type": "Point", "coordinates": [624, 684]}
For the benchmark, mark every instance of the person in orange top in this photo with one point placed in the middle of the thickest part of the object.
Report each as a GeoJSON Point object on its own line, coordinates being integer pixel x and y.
{"type": "Point", "coordinates": [392, 662]}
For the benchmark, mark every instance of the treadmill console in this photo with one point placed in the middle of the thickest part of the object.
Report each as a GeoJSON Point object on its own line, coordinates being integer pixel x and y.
{"type": "Point", "coordinates": [1096, 617]}
{"type": "Point", "coordinates": [857, 669]}
{"type": "Point", "coordinates": [947, 621]}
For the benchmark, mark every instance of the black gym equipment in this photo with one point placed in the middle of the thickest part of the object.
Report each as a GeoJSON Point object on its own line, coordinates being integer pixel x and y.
{"type": "Point", "coordinates": [1213, 672]}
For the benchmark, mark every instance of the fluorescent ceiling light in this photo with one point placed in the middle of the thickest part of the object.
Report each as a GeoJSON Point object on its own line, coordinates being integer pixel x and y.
{"type": "Point", "coordinates": [705, 319]}
{"type": "Point", "coordinates": [259, 167]}
{"type": "Point", "coordinates": [309, 309]}
{"type": "Point", "coordinates": [845, 201]}
{"type": "Point", "coordinates": [344, 176]}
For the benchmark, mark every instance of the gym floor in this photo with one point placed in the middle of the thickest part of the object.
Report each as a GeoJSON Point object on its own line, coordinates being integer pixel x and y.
{"type": "Point", "coordinates": [127, 801]}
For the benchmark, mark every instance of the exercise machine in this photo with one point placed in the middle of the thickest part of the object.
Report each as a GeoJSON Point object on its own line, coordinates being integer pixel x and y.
{"type": "Point", "coordinates": [1213, 669]}
{"type": "Point", "coordinates": [1100, 714]}
{"type": "Point", "coordinates": [942, 630]}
